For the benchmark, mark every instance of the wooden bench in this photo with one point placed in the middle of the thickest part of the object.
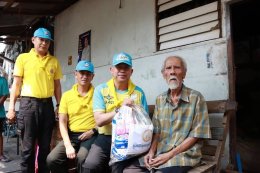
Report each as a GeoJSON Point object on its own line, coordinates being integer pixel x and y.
{"type": "Point", "coordinates": [219, 114]}
{"type": "Point", "coordinates": [212, 150]}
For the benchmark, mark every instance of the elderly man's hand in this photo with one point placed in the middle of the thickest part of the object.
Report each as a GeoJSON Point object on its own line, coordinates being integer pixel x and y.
{"type": "Point", "coordinates": [160, 159]}
{"type": "Point", "coordinates": [147, 159]}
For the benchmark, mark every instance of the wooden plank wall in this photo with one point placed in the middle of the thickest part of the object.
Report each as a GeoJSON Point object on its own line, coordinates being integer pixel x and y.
{"type": "Point", "coordinates": [195, 25]}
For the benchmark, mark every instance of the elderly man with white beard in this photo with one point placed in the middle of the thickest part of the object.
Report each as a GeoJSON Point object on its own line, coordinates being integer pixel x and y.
{"type": "Point", "coordinates": [180, 124]}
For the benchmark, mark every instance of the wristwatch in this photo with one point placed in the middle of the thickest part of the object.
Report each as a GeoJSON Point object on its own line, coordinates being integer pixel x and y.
{"type": "Point", "coordinates": [95, 131]}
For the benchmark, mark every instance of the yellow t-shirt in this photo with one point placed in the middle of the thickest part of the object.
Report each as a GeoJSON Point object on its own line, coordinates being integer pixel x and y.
{"type": "Point", "coordinates": [38, 74]}
{"type": "Point", "coordinates": [78, 109]}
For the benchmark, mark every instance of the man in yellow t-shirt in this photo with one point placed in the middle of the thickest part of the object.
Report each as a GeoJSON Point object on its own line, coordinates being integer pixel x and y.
{"type": "Point", "coordinates": [37, 75]}
{"type": "Point", "coordinates": [76, 119]}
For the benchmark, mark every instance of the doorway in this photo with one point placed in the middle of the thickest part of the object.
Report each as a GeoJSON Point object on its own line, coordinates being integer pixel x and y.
{"type": "Point", "coordinates": [245, 30]}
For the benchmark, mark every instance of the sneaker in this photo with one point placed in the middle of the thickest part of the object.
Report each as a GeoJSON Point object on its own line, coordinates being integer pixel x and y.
{"type": "Point", "coordinates": [4, 159]}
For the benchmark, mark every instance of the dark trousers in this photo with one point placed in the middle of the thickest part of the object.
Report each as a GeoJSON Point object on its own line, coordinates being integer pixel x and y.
{"type": "Point", "coordinates": [57, 159]}
{"type": "Point", "coordinates": [99, 156]}
{"type": "Point", "coordinates": [129, 165]}
{"type": "Point", "coordinates": [35, 123]}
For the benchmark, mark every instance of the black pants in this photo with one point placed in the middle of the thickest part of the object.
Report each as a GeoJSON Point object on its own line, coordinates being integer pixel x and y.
{"type": "Point", "coordinates": [35, 123]}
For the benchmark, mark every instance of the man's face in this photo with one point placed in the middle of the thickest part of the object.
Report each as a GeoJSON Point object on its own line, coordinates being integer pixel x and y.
{"type": "Point", "coordinates": [121, 72]}
{"type": "Point", "coordinates": [41, 45]}
{"type": "Point", "coordinates": [84, 77]}
{"type": "Point", "coordinates": [174, 73]}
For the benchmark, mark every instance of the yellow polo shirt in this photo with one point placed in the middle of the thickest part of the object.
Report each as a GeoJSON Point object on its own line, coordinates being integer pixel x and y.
{"type": "Point", "coordinates": [78, 109]}
{"type": "Point", "coordinates": [38, 74]}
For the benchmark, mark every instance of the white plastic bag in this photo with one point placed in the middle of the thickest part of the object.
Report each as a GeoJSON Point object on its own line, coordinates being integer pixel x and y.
{"type": "Point", "coordinates": [132, 131]}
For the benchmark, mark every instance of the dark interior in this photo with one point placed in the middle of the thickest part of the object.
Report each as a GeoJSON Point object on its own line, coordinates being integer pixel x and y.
{"type": "Point", "coordinates": [245, 17]}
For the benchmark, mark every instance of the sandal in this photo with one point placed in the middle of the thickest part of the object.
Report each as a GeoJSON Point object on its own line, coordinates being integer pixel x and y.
{"type": "Point", "coordinates": [4, 159]}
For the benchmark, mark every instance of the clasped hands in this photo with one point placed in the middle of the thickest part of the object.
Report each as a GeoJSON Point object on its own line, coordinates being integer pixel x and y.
{"type": "Point", "coordinates": [152, 161]}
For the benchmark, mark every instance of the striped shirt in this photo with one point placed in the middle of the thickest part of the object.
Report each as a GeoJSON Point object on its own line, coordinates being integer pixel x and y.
{"type": "Point", "coordinates": [174, 123]}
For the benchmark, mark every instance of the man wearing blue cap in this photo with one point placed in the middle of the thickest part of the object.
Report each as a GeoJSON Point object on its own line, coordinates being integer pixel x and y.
{"type": "Point", "coordinates": [37, 77]}
{"type": "Point", "coordinates": [108, 97]}
{"type": "Point", "coordinates": [77, 123]}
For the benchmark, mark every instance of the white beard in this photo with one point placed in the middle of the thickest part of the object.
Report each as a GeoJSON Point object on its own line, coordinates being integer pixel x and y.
{"type": "Point", "coordinates": [173, 84]}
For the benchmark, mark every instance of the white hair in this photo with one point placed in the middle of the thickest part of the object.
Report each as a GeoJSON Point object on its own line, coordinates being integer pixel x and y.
{"type": "Point", "coordinates": [183, 62]}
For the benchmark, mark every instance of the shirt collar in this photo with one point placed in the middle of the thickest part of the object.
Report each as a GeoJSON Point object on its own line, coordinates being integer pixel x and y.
{"type": "Point", "coordinates": [37, 55]}
{"type": "Point", "coordinates": [75, 89]}
{"type": "Point", "coordinates": [184, 94]}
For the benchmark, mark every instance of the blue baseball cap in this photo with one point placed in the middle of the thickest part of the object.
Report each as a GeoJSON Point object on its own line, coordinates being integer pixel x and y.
{"type": "Point", "coordinates": [42, 33]}
{"type": "Point", "coordinates": [122, 58]}
{"type": "Point", "coordinates": [85, 66]}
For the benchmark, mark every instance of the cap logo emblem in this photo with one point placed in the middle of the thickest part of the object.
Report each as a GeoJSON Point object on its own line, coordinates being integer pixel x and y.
{"type": "Point", "coordinates": [122, 58]}
{"type": "Point", "coordinates": [46, 33]}
{"type": "Point", "coordinates": [86, 65]}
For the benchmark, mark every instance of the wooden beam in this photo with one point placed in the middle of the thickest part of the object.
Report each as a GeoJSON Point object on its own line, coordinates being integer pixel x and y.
{"type": "Point", "coordinates": [160, 2]}
{"type": "Point", "coordinates": [7, 59]}
{"type": "Point", "coordinates": [189, 23]}
{"type": "Point", "coordinates": [191, 39]}
{"type": "Point", "coordinates": [189, 14]}
{"type": "Point", "coordinates": [188, 31]}
{"type": "Point", "coordinates": [172, 4]}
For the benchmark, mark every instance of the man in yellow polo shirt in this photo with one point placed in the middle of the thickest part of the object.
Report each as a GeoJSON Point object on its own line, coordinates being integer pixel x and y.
{"type": "Point", "coordinates": [37, 75]}
{"type": "Point", "coordinates": [77, 123]}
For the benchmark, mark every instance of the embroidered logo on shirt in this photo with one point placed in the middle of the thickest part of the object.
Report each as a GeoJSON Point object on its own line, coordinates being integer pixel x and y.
{"type": "Point", "coordinates": [108, 99]}
{"type": "Point", "coordinates": [51, 71]}
{"type": "Point", "coordinates": [133, 96]}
